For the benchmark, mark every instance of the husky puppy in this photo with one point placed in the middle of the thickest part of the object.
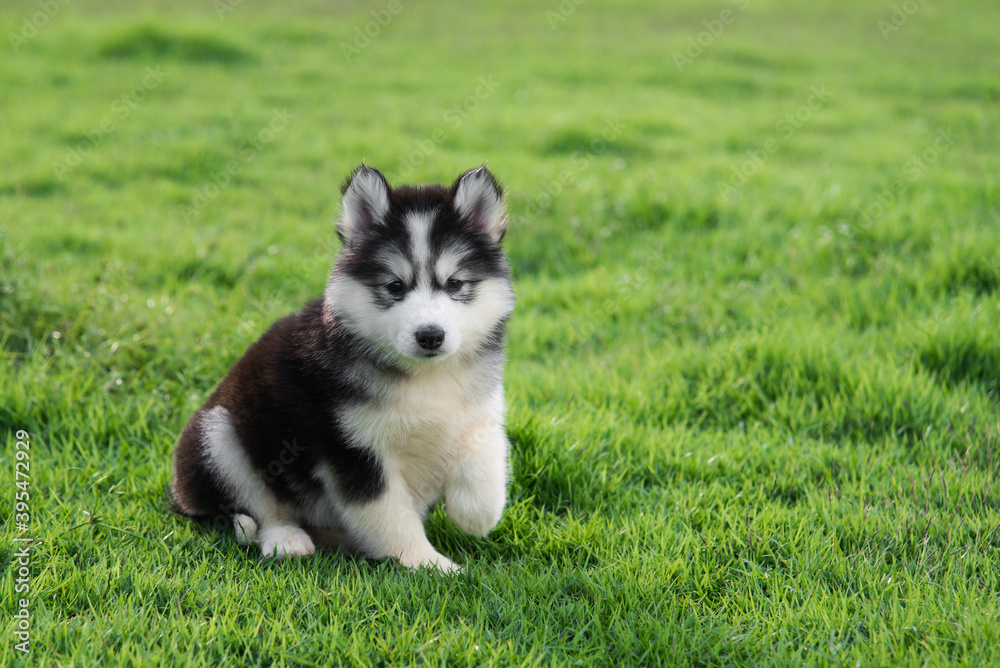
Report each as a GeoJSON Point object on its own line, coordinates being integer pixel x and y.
{"type": "Point", "coordinates": [357, 413]}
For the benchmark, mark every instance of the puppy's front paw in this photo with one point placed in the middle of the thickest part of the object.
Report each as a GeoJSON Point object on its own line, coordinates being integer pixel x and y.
{"type": "Point", "coordinates": [474, 512]}
{"type": "Point", "coordinates": [282, 540]}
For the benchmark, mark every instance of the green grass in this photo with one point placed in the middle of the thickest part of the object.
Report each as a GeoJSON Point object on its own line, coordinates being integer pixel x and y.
{"type": "Point", "coordinates": [751, 425]}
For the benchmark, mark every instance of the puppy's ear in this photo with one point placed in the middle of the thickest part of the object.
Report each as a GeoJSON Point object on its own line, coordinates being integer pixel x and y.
{"type": "Point", "coordinates": [478, 198]}
{"type": "Point", "coordinates": [365, 203]}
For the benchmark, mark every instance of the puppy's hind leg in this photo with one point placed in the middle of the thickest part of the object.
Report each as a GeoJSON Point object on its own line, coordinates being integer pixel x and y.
{"type": "Point", "coordinates": [246, 529]}
{"type": "Point", "coordinates": [274, 528]}
{"type": "Point", "coordinates": [276, 538]}
{"type": "Point", "coordinates": [283, 539]}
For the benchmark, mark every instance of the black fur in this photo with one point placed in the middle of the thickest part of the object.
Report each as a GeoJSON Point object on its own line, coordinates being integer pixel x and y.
{"type": "Point", "coordinates": [279, 395]}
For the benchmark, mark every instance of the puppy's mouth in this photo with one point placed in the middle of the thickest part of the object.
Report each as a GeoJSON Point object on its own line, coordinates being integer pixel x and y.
{"type": "Point", "coordinates": [429, 356]}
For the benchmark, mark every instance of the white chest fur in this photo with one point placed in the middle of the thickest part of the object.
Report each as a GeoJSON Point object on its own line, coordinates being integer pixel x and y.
{"type": "Point", "coordinates": [421, 423]}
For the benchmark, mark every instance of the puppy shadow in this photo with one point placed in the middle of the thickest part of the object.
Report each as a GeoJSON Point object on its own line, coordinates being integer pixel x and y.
{"type": "Point", "coordinates": [498, 547]}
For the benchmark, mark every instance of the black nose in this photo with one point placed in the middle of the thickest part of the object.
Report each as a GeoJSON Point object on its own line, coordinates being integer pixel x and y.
{"type": "Point", "coordinates": [430, 337]}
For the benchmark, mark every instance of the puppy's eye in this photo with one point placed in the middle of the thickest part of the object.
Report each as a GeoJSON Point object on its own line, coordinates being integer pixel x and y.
{"type": "Point", "coordinates": [454, 285]}
{"type": "Point", "coordinates": [395, 288]}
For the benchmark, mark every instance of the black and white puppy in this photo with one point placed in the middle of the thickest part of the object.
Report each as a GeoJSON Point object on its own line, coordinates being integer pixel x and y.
{"type": "Point", "coordinates": [356, 414]}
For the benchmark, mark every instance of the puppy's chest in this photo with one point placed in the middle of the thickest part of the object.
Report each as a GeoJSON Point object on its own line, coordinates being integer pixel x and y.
{"type": "Point", "coordinates": [420, 418]}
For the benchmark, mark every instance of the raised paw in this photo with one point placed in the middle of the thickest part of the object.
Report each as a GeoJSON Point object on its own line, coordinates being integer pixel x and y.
{"type": "Point", "coordinates": [474, 513]}
{"type": "Point", "coordinates": [282, 540]}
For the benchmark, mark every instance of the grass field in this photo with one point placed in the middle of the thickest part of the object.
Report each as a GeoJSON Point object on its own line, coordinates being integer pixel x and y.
{"type": "Point", "coordinates": [754, 371]}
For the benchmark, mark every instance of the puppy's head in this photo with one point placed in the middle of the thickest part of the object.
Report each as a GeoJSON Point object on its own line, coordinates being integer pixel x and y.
{"type": "Point", "coordinates": [421, 273]}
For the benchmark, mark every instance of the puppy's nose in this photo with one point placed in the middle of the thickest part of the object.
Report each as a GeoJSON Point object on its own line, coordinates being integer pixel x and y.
{"type": "Point", "coordinates": [430, 337]}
